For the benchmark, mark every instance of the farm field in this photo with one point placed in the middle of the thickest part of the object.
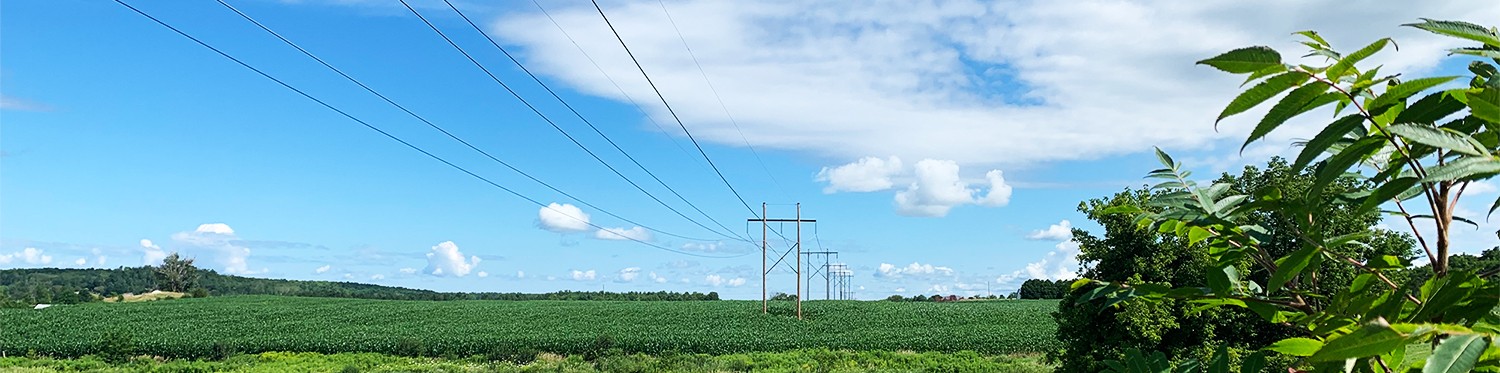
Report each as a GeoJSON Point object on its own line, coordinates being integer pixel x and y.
{"type": "Point", "coordinates": [222, 326]}
{"type": "Point", "coordinates": [820, 360]}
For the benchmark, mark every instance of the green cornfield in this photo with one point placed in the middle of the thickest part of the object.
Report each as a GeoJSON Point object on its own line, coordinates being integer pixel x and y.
{"type": "Point", "coordinates": [208, 327]}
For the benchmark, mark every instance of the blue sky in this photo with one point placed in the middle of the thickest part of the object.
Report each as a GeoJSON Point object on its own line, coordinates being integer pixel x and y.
{"type": "Point", "coordinates": [937, 144]}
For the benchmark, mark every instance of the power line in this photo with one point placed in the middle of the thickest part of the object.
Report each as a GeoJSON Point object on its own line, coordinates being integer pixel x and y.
{"type": "Point", "coordinates": [720, 98]}
{"type": "Point", "coordinates": [669, 109]}
{"type": "Point", "coordinates": [611, 79]}
{"type": "Point", "coordinates": [554, 124]}
{"type": "Point", "coordinates": [585, 120]}
{"type": "Point", "coordinates": [429, 123]}
{"type": "Point", "coordinates": [378, 130]}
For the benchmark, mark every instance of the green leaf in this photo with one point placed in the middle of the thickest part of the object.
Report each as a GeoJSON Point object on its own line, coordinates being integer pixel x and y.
{"type": "Point", "coordinates": [1291, 265]}
{"type": "Point", "coordinates": [1296, 346]}
{"type": "Point", "coordinates": [1123, 209]}
{"type": "Point", "coordinates": [1466, 168]}
{"type": "Point", "coordinates": [1264, 73]}
{"type": "Point", "coordinates": [1262, 92]}
{"type": "Point", "coordinates": [1386, 192]}
{"type": "Point", "coordinates": [1340, 162]}
{"type": "Point", "coordinates": [1431, 108]}
{"type": "Point", "coordinates": [1440, 138]}
{"type": "Point", "coordinates": [1326, 138]}
{"type": "Point", "coordinates": [1165, 159]}
{"type": "Point", "coordinates": [1481, 52]}
{"type": "Point", "coordinates": [1369, 340]}
{"type": "Point", "coordinates": [1459, 29]}
{"type": "Point", "coordinates": [1313, 35]}
{"type": "Point", "coordinates": [1254, 363]}
{"type": "Point", "coordinates": [1387, 262]}
{"type": "Point", "coordinates": [1457, 353]}
{"type": "Point", "coordinates": [1485, 104]}
{"type": "Point", "coordinates": [1296, 102]}
{"type": "Point", "coordinates": [1224, 280]}
{"type": "Point", "coordinates": [1394, 95]}
{"type": "Point", "coordinates": [1344, 65]}
{"type": "Point", "coordinates": [1197, 234]}
{"type": "Point", "coordinates": [1244, 60]}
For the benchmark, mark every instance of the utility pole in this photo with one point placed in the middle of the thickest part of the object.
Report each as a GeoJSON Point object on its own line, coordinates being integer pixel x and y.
{"type": "Point", "coordinates": [825, 270]}
{"type": "Point", "coordinates": [764, 246]}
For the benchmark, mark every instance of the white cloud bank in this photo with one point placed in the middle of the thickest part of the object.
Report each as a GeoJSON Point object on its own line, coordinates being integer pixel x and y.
{"type": "Point", "coordinates": [621, 234]}
{"type": "Point", "coordinates": [1061, 231]}
{"type": "Point", "coordinates": [588, 275]}
{"type": "Point", "coordinates": [868, 174]}
{"type": "Point", "coordinates": [563, 218]}
{"type": "Point", "coordinates": [915, 269]}
{"type": "Point", "coordinates": [980, 83]}
{"type": "Point", "coordinates": [446, 260]}
{"type": "Point", "coordinates": [1059, 264]}
{"type": "Point", "coordinates": [934, 189]}
{"type": "Point", "coordinates": [27, 256]}
{"type": "Point", "coordinates": [216, 241]}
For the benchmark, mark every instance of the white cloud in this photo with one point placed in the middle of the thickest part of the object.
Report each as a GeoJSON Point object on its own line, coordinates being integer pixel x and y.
{"type": "Point", "coordinates": [1061, 231]}
{"type": "Point", "coordinates": [214, 228]}
{"type": "Point", "coordinates": [348, 276]}
{"type": "Point", "coordinates": [377, 277]}
{"type": "Point", "coordinates": [636, 233]}
{"type": "Point", "coordinates": [219, 242]}
{"type": "Point", "coordinates": [629, 274]}
{"type": "Point", "coordinates": [99, 257]}
{"type": "Point", "coordinates": [445, 259]}
{"type": "Point", "coordinates": [737, 281]}
{"type": "Point", "coordinates": [657, 279]}
{"type": "Point", "coordinates": [714, 280]}
{"type": "Point", "coordinates": [938, 188]}
{"type": "Point", "coordinates": [152, 254]}
{"type": "Point", "coordinates": [1480, 187]}
{"type": "Point", "coordinates": [900, 290]}
{"type": "Point", "coordinates": [868, 174]}
{"type": "Point", "coordinates": [408, 270]}
{"type": "Point", "coordinates": [563, 218]}
{"type": "Point", "coordinates": [323, 269]}
{"type": "Point", "coordinates": [520, 274]}
{"type": "Point", "coordinates": [81, 261]}
{"type": "Point", "coordinates": [1059, 264]}
{"type": "Point", "coordinates": [977, 82]}
{"type": "Point", "coordinates": [588, 275]}
{"type": "Point", "coordinates": [915, 269]}
{"type": "Point", "coordinates": [938, 288]}
{"type": "Point", "coordinates": [483, 274]}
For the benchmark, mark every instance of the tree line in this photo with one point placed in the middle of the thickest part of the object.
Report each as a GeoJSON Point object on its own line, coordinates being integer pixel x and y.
{"type": "Point", "coordinates": [30, 286]}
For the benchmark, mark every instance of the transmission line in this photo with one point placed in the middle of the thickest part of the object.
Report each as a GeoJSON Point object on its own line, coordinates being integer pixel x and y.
{"type": "Point", "coordinates": [429, 123]}
{"type": "Point", "coordinates": [383, 132]}
{"type": "Point", "coordinates": [611, 79]}
{"type": "Point", "coordinates": [669, 110]}
{"type": "Point", "coordinates": [554, 124]}
{"type": "Point", "coordinates": [585, 120]}
{"type": "Point", "coordinates": [715, 91]}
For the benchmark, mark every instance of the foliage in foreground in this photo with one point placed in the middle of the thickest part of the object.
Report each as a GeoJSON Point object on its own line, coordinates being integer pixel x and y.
{"type": "Point", "coordinates": [221, 326]}
{"type": "Point", "coordinates": [819, 360]}
{"type": "Point", "coordinates": [1091, 335]}
{"type": "Point", "coordinates": [1424, 152]}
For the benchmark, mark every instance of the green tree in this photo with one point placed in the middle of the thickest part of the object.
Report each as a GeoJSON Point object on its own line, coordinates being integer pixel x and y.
{"type": "Point", "coordinates": [1129, 254]}
{"type": "Point", "coordinates": [176, 274]}
{"type": "Point", "coordinates": [1421, 151]}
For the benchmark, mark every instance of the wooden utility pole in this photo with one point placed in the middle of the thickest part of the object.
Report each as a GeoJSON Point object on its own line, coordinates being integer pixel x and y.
{"type": "Point", "coordinates": [765, 270]}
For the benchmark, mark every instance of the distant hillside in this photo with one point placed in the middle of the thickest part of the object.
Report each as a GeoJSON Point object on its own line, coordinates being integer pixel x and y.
{"type": "Point", "coordinates": [57, 285]}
